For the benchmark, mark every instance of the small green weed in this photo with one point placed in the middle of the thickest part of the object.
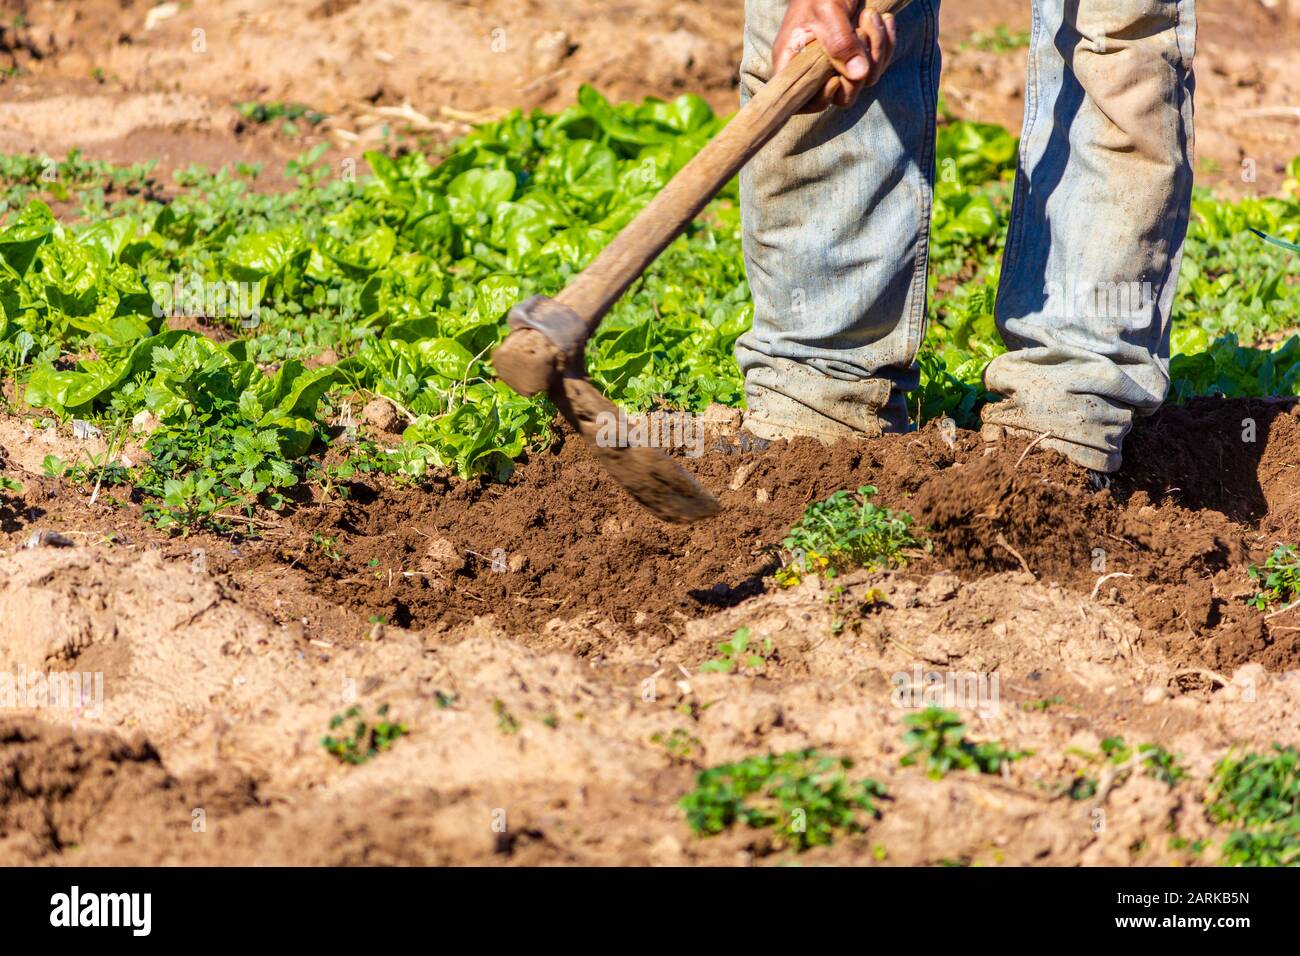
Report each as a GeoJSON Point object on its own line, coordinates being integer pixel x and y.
{"type": "Point", "coordinates": [846, 531]}
{"type": "Point", "coordinates": [1260, 795]}
{"type": "Point", "coordinates": [367, 740]}
{"type": "Point", "coordinates": [680, 744]}
{"type": "Point", "coordinates": [939, 736]}
{"type": "Point", "coordinates": [274, 110]}
{"type": "Point", "coordinates": [506, 722]}
{"type": "Point", "coordinates": [1155, 760]}
{"type": "Point", "coordinates": [1044, 703]}
{"type": "Point", "coordinates": [734, 656]}
{"type": "Point", "coordinates": [807, 796]}
{"type": "Point", "coordinates": [1280, 578]}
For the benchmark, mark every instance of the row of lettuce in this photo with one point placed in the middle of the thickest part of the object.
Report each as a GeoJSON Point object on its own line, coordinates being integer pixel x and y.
{"type": "Point", "coordinates": [403, 278]}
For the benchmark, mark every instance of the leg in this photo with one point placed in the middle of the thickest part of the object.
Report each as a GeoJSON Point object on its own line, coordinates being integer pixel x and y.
{"type": "Point", "coordinates": [1101, 203]}
{"type": "Point", "coordinates": [836, 215]}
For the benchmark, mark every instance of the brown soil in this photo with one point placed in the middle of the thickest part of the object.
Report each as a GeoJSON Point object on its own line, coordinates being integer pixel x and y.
{"type": "Point", "coordinates": [560, 541]}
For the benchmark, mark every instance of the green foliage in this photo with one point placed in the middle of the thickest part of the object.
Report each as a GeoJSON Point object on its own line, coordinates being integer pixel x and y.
{"type": "Point", "coordinates": [736, 654]}
{"type": "Point", "coordinates": [506, 722]}
{"type": "Point", "coordinates": [680, 744]}
{"type": "Point", "coordinates": [939, 737]}
{"type": "Point", "coordinates": [407, 275]}
{"type": "Point", "coordinates": [1235, 371]}
{"type": "Point", "coordinates": [11, 485]}
{"type": "Point", "coordinates": [1259, 794]}
{"type": "Point", "coordinates": [1001, 39]}
{"type": "Point", "coordinates": [25, 176]}
{"type": "Point", "coordinates": [807, 797]}
{"type": "Point", "coordinates": [1155, 760]}
{"type": "Point", "coordinates": [367, 739]}
{"type": "Point", "coordinates": [275, 110]}
{"type": "Point", "coordinates": [846, 531]}
{"type": "Point", "coordinates": [1279, 579]}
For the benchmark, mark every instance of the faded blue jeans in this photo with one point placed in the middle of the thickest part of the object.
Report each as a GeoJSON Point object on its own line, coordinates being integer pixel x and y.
{"type": "Point", "coordinates": [836, 216]}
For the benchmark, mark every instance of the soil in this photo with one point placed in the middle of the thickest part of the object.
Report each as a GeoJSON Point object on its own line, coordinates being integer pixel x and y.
{"type": "Point", "coordinates": [117, 80]}
{"type": "Point", "coordinates": [542, 638]}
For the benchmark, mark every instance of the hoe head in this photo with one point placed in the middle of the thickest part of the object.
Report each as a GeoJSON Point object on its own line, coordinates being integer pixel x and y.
{"type": "Point", "coordinates": [544, 353]}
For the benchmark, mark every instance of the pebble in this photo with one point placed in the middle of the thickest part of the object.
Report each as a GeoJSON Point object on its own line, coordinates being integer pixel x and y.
{"type": "Point", "coordinates": [1154, 694]}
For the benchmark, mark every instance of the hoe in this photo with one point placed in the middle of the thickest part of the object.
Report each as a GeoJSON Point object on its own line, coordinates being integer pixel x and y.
{"type": "Point", "coordinates": [544, 350]}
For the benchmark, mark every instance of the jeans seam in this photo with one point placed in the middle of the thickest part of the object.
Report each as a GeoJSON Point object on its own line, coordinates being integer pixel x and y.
{"type": "Point", "coordinates": [1015, 227]}
{"type": "Point", "coordinates": [920, 274]}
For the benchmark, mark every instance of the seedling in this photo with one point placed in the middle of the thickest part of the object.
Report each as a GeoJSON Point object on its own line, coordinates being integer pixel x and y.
{"type": "Point", "coordinates": [736, 654]}
{"type": "Point", "coordinates": [328, 546]}
{"type": "Point", "coordinates": [939, 736]}
{"type": "Point", "coordinates": [843, 532]}
{"type": "Point", "coordinates": [1044, 703]}
{"type": "Point", "coordinates": [506, 722]}
{"type": "Point", "coordinates": [1154, 759]}
{"type": "Point", "coordinates": [1260, 795]}
{"type": "Point", "coordinates": [680, 744]}
{"type": "Point", "coordinates": [367, 740]}
{"type": "Point", "coordinates": [1279, 578]}
{"type": "Point", "coordinates": [807, 797]}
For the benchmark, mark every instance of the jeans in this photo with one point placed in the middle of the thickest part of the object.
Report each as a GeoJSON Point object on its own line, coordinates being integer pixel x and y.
{"type": "Point", "coordinates": [836, 216]}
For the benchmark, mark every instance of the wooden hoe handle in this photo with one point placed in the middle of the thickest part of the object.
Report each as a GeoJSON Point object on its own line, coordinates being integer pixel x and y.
{"type": "Point", "coordinates": [595, 290]}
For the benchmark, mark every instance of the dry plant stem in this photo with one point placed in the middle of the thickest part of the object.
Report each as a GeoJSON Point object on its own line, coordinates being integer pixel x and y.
{"type": "Point", "coordinates": [1001, 540]}
{"type": "Point", "coordinates": [1111, 777]}
{"type": "Point", "coordinates": [1103, 579]}
{"type": "Point", "coordinates": [1028, 447]}
{"type": "Point", "coordinates": [1202, 672]}
{"type": "Point", "coordinates": [1282, 610]}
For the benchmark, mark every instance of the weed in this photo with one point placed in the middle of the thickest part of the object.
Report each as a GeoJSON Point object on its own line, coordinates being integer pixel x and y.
{"type": "Point", "coordinates": [506, 722]}
{"type": "Point", "coordinates": [680, 744]}
{"type": "Point", "coordinates": [1259, 794]}
{"type": "Point", "coordinates": [846, 531]}
{"type": "Point", "coordinates": [327, 545]}
{"type": "Point", "coordinates": [1001, 39]}
{"type": "Point", "coordinates": [1279, 578]}
{"type": "Point", "coordinates": [736, 654]}
{"type": "Point", "coordinates": [807, 797]}
{"type": "Point", "coordinates": [274, 110]}
{"type": "Point", "coordinates": [1045, 703]}
{"type": "Point", "coordinates": [1154, 759]}
{"type": "Point", "coordinates": [367, 740]}
{"type": "Point", "coordinates": [939, 736]}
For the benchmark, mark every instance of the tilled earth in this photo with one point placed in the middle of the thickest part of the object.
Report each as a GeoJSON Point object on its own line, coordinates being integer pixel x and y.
{"type": "Point", "coordinates": [542, 638]}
